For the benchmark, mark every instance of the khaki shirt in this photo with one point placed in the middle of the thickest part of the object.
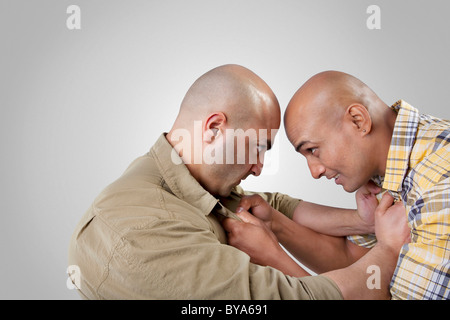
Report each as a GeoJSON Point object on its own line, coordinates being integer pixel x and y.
{"type": "Point", "coordinates": [155, 233]}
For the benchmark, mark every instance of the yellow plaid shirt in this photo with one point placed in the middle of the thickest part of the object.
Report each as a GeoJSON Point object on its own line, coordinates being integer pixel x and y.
{"type": "Point", "coordinates": [418, 171]}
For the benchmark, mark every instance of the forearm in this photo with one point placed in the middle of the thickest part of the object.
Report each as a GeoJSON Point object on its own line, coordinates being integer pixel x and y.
{"type": "Point", "coordinates": [316, 251]}
{"type": "Point", "coordinates": [329, 220]}
{"type": "Point", "coordinates": [354, 283]}
{"type": "Point", "coordinates": [283, 262]}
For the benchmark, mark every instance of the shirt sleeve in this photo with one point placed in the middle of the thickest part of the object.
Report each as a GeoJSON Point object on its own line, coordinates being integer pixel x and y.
{"type": "Point", "coordinates": [366, 241]}
{"type": "Point", "coordinates": [281, 202]}
{"type": "Point", "coordinates": [369, 240]}
{"type": "Point", "coordinates": [174, 259]}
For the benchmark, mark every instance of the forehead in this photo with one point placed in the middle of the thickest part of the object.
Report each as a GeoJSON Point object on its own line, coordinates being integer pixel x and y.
{"type": "Point", "coordinates": [303, 126]}
{"type": "Point", "coordinates": [265, 125]}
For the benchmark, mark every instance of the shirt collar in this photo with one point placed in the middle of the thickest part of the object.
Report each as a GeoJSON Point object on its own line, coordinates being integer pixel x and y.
{"type": "Point", "coordinates": [179, 179]}
{"type": "Point", "coordinates": [403, 138]}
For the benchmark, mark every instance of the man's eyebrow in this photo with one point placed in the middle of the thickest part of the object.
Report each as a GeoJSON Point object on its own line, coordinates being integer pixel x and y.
{"type": "Point", "coordinates": [300, 145]}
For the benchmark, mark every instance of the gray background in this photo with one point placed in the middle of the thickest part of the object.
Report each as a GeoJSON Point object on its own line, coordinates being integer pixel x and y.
{"type": "Point", "coordinates": [77, 106]}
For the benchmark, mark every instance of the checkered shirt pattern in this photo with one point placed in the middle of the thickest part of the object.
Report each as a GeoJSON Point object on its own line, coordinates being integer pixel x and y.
{"type": "Point", "coordinates": [418, 172]}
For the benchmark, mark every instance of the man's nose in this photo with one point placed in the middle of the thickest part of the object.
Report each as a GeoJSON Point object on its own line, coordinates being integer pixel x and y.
{"type": "Point", "coordinates": [257, 167]}
{"type": "Point", "coordinates": [316, 167]}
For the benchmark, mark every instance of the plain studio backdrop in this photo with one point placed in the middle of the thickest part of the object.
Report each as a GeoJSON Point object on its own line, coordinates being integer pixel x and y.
{"type": "Point", "coordinates": [78, 105]}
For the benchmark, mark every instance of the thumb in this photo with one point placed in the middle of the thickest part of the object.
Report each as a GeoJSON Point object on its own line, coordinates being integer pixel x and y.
{"type": "Point", "coordinates": [386, 201]}
{"type": "Point", "coordinates": [248, 202]}
{"type": "Point", "coordinates": [229, 224]}
{"type": "Point", "coordinates": [373, 188]}
{"type": "Point", "coordinates": [248, 217]}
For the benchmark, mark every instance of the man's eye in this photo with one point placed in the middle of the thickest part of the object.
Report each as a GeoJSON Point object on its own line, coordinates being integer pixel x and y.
{"type": "Point", "coordinates": [260, 148]}
{"type": "Point", "coordinates": [312, 150]}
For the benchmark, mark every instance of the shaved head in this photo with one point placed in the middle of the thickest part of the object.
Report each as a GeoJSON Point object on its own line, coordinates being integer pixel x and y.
{"type": "Point", "coordinates": [341, 127]}
{"type": "Point", "coordinates": [329, 93]}
{"type": "Point", "coordinates": [232, 89]}
{"type": "Point", "coordinates": [227, 120]}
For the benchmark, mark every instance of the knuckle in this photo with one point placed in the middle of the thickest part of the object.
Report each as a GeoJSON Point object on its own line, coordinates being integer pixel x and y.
{"type": "Point", "coordinates": [237, 228]}
{"type": "Point", "coordinates": [231, 241]}
{"type": "Point", "coordinates": [244, 200]}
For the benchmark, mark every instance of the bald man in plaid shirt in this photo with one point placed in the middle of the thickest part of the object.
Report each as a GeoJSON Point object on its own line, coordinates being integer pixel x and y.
{"type": "Point", "coordinates": [347, 133]}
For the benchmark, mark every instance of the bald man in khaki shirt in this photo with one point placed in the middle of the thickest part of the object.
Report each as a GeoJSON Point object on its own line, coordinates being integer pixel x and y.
{"type": "Point", "coordinates": [155, 232]}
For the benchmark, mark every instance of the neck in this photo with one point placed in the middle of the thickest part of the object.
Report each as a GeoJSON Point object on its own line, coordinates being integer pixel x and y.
{"type": "Point", "coordinates": [184, 147]}
{"type": "Point", "coordinates": [389, 119]}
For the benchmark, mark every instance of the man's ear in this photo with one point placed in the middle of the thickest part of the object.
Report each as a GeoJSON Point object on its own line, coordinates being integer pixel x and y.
{"type": "Point", "coordinates": [360, 118]}
{"type": "Point", "coordinates": [213, 126]}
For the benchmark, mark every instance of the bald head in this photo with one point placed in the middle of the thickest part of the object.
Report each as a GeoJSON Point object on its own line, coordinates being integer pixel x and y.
{"type": "Point", "coordinates": [227, 120]}
{"type": "Point", "coordinates": [328, 94]}
{"type": "Point", "coordinates": [231, 89]}
{"type": "Point", "coordinates": [341, 127]}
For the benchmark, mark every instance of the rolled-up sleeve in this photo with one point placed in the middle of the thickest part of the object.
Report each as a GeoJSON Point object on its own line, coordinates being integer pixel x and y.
{"type": "Point", "coordinates": [279, 201]}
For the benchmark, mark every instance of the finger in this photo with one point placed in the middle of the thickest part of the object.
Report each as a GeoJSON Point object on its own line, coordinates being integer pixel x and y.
{"type": "Point", "coordinates": [386, 201]}
{"type": "Point", "coordinates": [370, 188]}
{"type": "Point", "coordinates": [408, 239]}
{"type": "Point", "coordinates": [248, 217]}
{"type": "Point", "coordinates": [373, 188]}
{"type": "Point", "coordinates": [229, 224]}
{"type": "Point", "coordinates": [248, 202]}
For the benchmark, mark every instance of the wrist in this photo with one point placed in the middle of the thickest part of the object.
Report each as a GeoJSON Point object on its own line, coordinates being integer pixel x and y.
{"type": "Point", "coordinates": [389, 252]}
{"type": "Point", "coordinates": [276, 223]}
{"type": "Point", "coordinates": [364, 226]}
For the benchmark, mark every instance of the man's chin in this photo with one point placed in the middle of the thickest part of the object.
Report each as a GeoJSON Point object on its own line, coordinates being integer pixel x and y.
{"type": "Point", "coordinates": [224, 193]}
{"type": "Point", "coordinates": [349, 189]}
